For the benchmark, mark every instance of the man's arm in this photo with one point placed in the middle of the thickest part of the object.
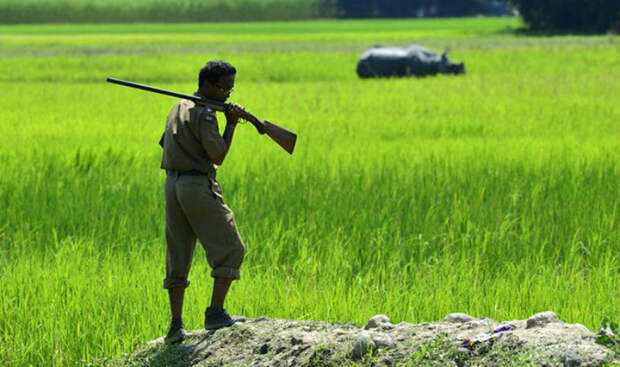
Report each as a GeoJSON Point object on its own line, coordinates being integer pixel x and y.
{"type": "Point", "coordinates": [229, 131]}
{"type": "Point", "coordinates": [232, 117]}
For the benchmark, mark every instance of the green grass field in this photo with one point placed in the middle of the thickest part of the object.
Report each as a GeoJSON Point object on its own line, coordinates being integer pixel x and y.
{"type": "Point", "coordinates": [496, 193]}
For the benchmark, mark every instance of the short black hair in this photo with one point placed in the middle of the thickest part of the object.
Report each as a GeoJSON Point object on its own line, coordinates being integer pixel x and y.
{"type": "Point", "coordinates": [214, 70]}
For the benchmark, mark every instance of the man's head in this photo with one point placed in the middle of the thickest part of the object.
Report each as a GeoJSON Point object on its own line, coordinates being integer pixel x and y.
{"type": "Point", "coordinates": [216, 80]}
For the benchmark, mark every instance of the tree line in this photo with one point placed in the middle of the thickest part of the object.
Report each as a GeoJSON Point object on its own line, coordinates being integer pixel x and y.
{"type": "Point", "coordinates": [415, 8]}
{"type": "Point", "coordinates": [594, 16]}
{"type": "Point", "coordinates": [540, 15]}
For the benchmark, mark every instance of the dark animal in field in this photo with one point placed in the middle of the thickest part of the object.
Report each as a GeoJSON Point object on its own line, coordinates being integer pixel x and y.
{"type": "Point", "coordinates": [386, 61]}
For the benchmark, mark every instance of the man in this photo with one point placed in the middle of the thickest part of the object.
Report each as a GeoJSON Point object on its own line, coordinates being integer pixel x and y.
{"type": "Point", "coordinates": [193, 148]}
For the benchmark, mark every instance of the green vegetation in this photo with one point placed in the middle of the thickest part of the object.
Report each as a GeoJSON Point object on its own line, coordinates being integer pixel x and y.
{"type": "Point", "coordinates": [610, 338]}
{"type": "Point", "coordinates": [63, 11]}
{"type": "Point", "coordinates": [496, 193]}
{"type": "Point", "coordinates": [577, 16]}
{"type": "Point", "coordinates": [443, 352]}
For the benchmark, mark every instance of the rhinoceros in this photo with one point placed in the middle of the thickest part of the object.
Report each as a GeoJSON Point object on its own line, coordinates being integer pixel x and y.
{"type": "Point", "coordinates": [386, 61]}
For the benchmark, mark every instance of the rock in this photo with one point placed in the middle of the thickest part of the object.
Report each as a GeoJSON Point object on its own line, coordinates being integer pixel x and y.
{"type": "Point", "coordinates": [382, 341]}
{"type": "Point", "coordinates": [473, 324]}
{"type": "Point", "coordinates": [541, 319]}
{"type": "Point", "coordinates": [583, 331]}
{"type": "Point", "coordinates": [298, 343]}
{"type": "Point", "coordinates": [376, 321]}
{"type": "Point", "coordinates": [263, 349]}
{"type": "Point", "coordinates": [570, 359]}
{"type": "Point", "coordinates": [404, 324]}
{"type": "Point", "coordinates": [363, 345]}
{"type": "Point", "coordinates": [370, 342]}
{"type": "Point", "coordinates": [458, 318]}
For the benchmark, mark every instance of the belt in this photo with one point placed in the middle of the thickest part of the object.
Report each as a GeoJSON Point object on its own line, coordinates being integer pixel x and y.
{"type": "Point", "coordinates": [192, 172]}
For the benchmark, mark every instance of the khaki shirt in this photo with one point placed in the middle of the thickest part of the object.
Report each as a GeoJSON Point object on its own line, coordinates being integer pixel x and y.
{"type": "Point", "coordinates": [191, 139]}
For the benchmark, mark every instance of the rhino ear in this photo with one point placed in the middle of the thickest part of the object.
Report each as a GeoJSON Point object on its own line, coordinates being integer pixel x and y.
{"type": "Point", "coordinates": [444, 55]}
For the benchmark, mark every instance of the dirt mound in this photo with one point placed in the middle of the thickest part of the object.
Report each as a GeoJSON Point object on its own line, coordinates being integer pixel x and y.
{"type": "Point", "coordinates": [458, 340]}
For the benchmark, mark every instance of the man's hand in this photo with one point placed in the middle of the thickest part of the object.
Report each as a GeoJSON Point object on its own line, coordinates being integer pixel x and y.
{"type": "Point", "coordinates": [233, 113]}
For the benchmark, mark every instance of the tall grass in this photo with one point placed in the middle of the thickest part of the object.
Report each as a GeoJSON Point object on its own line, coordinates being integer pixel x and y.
{"type": "Point", "coordinates": [495, 193]}
{"type": "Point", "coordinates": [86, 11]}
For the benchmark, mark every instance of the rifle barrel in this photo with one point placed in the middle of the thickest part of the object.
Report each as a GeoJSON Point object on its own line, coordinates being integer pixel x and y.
{"type": "Point", "coordinates": [285, 138]}
{"type": "Point", "coordinates": [216, 105]}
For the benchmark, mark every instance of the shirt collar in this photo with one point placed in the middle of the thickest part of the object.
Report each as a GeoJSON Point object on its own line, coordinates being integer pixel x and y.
{"type": "Point", "coordinates": [200, 95]}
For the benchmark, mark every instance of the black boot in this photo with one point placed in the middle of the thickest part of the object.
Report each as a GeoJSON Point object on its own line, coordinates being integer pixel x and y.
{"type": "Point", "coordinates": [216, 318]}
{"type": "Point", "coordinates": [176, 332]}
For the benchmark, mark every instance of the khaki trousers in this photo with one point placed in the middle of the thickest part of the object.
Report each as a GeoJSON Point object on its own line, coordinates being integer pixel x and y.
{"type": "Point", "coordinates": [195, 209]}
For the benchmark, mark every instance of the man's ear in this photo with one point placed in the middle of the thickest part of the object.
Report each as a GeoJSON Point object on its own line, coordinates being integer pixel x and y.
{"type": "Point", "coordinates": [204, 86]}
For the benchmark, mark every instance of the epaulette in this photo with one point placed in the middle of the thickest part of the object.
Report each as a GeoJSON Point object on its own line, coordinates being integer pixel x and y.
{"type": "Point", "coordinates": [209, 114]}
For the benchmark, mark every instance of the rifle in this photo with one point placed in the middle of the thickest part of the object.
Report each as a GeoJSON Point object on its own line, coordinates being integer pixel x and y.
{"type": "Point", "coordinates": [285, 138]}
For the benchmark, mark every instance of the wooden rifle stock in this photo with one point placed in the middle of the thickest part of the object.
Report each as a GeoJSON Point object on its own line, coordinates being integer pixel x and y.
{"type": "Point", "coordinates": [285, 138]}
